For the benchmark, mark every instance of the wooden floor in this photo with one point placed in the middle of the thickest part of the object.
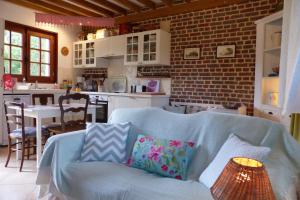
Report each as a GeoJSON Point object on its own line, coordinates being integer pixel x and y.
{"type": "Point", "coordinates": [15, 185]}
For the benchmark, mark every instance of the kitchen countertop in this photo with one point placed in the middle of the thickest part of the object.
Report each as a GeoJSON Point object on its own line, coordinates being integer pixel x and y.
{"type": "Point", "coordinates": [62, 91]}
{"type": "Point", "coordinates": [128, 94]}
{"type": "Point", "coordinates": [36, 91]}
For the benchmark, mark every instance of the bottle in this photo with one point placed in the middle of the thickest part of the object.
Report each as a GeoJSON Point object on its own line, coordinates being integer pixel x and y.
{"type": "Point", "coordinates": [36, 84]}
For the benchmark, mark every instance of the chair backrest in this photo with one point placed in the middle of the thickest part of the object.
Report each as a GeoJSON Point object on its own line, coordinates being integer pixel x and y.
{"type": "Point", "coordinates": [66, 108]}
{"type": "Point", "coordinates": [43, 98]}
{"type": "Point", "coordinates": [68, 91]}
{"type": "Point", "coordinates": [13, 118]}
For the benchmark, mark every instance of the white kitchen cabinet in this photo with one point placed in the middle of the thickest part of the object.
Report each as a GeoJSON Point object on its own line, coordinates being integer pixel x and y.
{"type": "Point", "coordinates": [78, 57]}
{"type": "Point", "coordinates": [84, 55]}
{"type": "Point", "coordinates": [148, 48]}
{"type": "Point", "coordinates": [116, 102]}
{"type": "Point", "coordinates": [110, 47]}
{"type": "Point", "coordinates": [133, 49]}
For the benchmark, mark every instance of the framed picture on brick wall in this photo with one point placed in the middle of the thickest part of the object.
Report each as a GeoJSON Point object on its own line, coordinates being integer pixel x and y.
{"type": "Point", "coordinates": [191, 54]}
{"type": "Point", "coordinates": [226, 51]}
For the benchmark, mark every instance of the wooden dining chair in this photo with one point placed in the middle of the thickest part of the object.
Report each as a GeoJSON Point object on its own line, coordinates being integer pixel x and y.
{"type": "Point", "coordinates": [65, 109]}
{"type": "Point", "coordinates": [43, 100]}
{"type": "Point", "coordinates": [23, 136]}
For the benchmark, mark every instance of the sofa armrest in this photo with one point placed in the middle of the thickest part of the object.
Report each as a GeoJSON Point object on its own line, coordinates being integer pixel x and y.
{"type": "Point", "coordinates": [59, 151]}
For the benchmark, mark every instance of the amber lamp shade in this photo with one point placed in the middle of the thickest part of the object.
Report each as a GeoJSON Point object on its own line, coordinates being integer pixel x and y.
{"type": "Point", "coordinates": [243, 179]}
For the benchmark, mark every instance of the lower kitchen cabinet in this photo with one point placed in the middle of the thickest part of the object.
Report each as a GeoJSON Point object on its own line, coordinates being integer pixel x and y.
{"type": "Point", "coordinates": [115, 102]}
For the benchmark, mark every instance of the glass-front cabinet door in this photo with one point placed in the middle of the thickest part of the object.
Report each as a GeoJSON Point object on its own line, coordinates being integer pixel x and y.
{"type": "Point", "coordinates": [132, 49]}
{"type": "Point", "coordinates": [150, 47]}
{"type": "Point", "coordinates": [90, 54]}
{"type": "Point", "coordinates": [78, 55]}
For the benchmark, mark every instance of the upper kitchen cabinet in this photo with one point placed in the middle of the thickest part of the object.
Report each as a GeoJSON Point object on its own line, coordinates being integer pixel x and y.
{"type": "Point", "coordinates": [84, 55]}
{"type": "Point", "coordinates": [148, 48]}
{"type": "Point", "coordinates": [110, 47]}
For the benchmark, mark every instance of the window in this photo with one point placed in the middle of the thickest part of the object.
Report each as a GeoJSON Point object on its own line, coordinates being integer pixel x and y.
{"type": "Point", "coordinates": [30, 53]}
{"type": "Point", "coordinates": [13, 52]}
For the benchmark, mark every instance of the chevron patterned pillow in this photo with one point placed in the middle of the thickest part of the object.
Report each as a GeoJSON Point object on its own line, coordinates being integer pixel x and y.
{"type": "Point", "coordinates": [105, 142]}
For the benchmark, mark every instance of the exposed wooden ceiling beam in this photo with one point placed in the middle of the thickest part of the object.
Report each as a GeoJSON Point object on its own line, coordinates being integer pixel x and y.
{"type": "Point", "coordinates": [62, 11]}
{"type": "Point", "coordinates": [108, 5]}
{"type": "Point", "coordinates": [148, 3]}
{"type": "Point", "coordinates": [167, 2]}
{"type": "Point", "coordinates": [130, 5]}
{"type": "Point", "coordinates": [73, 8]}
{"type": "Point", "coordinates": [92, 6]}
{"type": "Point", "coordinates": [176, 9]}
{"type": "Point", "coordinates": [38, 7]}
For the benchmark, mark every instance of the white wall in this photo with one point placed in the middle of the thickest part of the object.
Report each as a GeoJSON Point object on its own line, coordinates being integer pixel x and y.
{"type": "Point", "coordinates": [66, 35]}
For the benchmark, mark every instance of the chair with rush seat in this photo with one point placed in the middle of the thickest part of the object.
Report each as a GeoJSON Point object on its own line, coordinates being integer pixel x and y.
{"type": "Point", "coordinates": [43, 100]}
{"type": "Point", "coordinates": [24, 136]}
{"type": "Point", "coordinates": [71, 125]}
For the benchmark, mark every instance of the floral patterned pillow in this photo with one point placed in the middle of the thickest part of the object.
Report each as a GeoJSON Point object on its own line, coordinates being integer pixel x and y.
{"type": "Point", "coordinates": [164, 157]}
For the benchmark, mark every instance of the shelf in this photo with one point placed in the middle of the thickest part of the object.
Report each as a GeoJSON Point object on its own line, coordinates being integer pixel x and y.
{"type": "Point", "coordinates": [153, 77]}
{"type": "Point", "coordinates": [269, 107]}
{"type": "Point", "coordinates": [270, 50]}
{"type": "Point", "coordinates": [270, 77]}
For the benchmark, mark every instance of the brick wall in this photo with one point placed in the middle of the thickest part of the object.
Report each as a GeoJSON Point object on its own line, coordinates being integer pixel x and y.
{"type": "Point", "coordinates": [211, 80]}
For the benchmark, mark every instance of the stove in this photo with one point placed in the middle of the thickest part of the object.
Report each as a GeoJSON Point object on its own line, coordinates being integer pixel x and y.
{"type": "Point", "coordinates": [101, 102]}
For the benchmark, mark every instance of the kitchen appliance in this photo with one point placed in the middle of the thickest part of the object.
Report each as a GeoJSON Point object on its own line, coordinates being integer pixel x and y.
{"type": "Point", "coordinates": [116, 84]}
{"type": "Point", "coordinates": [90, 85]}
{"type": "Point", "coordinates": [101, 102]}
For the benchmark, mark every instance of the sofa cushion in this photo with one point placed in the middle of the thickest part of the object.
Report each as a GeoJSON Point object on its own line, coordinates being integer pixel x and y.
{"type": "Point", "coordinates": [175, 109]}
{"type": "Point", "coordinates": [164, 157]}
{"type": "Point", "coordinates": [233, 147]}
{"type": "Point", "coordinates": [106, 180]}
{"type": "Point", "coordinates": [105, 142]}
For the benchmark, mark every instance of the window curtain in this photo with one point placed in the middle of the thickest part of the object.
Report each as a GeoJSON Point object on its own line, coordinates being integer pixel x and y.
{"type": "Point", "coordinates": [295, 126]}
{"type": "Point", "coordinates": [291, 103]}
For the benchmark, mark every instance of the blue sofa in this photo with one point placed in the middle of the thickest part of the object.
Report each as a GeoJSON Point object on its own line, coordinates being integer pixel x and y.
{"type": "Point", "coordinates": [61, 174]}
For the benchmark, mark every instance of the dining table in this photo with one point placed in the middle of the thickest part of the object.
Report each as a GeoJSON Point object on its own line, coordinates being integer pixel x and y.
{"type": "Point", "coordinates": [40, 112]}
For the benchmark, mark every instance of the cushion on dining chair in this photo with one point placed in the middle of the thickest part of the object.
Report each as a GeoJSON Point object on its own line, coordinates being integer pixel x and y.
{"type": "Point", "coordinates": [47, 126]}
{"type": "Point", "coordinates": [29, 131]}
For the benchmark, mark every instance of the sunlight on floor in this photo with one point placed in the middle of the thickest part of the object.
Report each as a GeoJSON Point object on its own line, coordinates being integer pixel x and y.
{"type": "Point", "coordinates": [15, 185]}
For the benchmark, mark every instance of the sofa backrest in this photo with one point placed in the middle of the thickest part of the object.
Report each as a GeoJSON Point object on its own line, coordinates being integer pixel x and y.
{"type": "Point", "coordinates": [209, 130]}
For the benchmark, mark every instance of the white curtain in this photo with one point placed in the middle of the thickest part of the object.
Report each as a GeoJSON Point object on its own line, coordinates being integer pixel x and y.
{"type": "Point", "coordinates": [292, 62]}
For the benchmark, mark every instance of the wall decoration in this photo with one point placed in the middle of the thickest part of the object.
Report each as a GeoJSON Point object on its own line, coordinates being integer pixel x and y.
{"type": "Point", "coordinates": [153, 85]}
{"type": "Point", "coordinates": [75, 20]}
{"type": "Point", "coordinates": [64, 51]}
{"type": "Point", "coordinates": [191, 53]}
{"type": "Point", "coordinates": [226, 51]}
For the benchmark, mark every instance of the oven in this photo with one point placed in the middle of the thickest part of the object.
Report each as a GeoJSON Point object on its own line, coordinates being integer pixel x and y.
{"type": "Point", "coordinates": [101, 102]}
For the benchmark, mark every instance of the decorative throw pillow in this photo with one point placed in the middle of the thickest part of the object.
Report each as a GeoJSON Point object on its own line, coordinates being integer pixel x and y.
{"type": "Point", "coordinates": [164, 157]}
{"type": "Point", "coordinates": [105, 142]}
{"type": "Point", "coordinates": [233, 147]}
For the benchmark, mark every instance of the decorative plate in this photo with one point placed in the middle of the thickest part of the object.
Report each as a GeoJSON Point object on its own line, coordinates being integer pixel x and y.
{"type": "Point", "coordinates": [64, 51]}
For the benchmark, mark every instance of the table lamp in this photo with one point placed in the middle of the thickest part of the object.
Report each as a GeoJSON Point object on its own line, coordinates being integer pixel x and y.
{"type": "Point", "coordinates": [245, 179]}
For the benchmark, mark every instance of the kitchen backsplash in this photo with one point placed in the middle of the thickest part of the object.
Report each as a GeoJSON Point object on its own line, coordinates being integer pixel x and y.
{"type": "Point", "coordinates": [153, 71]}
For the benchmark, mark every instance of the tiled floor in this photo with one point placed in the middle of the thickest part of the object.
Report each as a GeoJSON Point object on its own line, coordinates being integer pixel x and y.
{"type": "Point", "coordinates": [15, 185]}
